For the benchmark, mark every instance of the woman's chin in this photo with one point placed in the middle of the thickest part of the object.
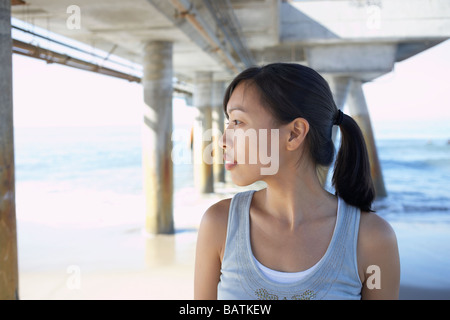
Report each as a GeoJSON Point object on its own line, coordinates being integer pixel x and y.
{"type": "Point", "coordinates": [241, 181]}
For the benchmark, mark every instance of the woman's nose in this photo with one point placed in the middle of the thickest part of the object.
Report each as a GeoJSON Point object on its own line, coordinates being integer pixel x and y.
{"type": "Point", "coordinates": [226, 140]}
{"type": "Point", "coordinates": [222, 141]}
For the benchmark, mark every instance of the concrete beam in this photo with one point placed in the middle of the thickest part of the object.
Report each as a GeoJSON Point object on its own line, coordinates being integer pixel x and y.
{"type": "Point", "coordinates": [409, 49]}
{"type": "Point", "coordinates": [331, 21]}
{"type": "Point", "coordinates": [157, 137]}
{"type": "Point", "coordinates": [281, 53]}
{"type": "Point", "coordinates": [259, 21]}
{"type": "Point", "coordinates": [365, 61]}
{"type": "Point", "coordinates": [9, 277]}
{"type": "Point", "coordinates": [274, 30]}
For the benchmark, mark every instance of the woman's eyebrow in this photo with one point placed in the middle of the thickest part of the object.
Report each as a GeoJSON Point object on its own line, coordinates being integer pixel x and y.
{"type": "Point", "coordinates": [240, 108]}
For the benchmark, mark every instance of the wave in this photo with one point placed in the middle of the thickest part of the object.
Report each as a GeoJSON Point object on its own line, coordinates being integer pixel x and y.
{"type": "Point", "coordinates": [412, 202]}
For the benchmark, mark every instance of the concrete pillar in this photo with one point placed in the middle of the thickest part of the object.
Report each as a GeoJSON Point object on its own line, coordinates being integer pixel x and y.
{"type": "Point", "coordinates": [360, 113]}
{"type": "Point", "coordinates": [218, 124]}
{"type": "Point", "coordinates": [156, 133]}
{"type": "Point", "coordinates": [9, 278]}
{"type": "Point", "coordinates": [203, 144]}
{"type": "Point", "coordinates": [339, 86]}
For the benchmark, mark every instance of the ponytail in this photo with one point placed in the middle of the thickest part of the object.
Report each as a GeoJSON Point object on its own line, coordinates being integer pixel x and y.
{"type": "Point", "coordinates": [351, 178]}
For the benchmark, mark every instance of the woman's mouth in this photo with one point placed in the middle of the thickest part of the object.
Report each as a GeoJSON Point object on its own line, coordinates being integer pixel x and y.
{"type": "Point", "coordinates": [229, 164]}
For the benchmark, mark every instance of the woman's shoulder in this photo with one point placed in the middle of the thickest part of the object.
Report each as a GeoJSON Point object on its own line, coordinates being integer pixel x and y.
{"type": "Point", "coordinates": [213, 226]}
{"type": "Point", "coordinates": [375, 228]}
{"type": "Point", "coordinates": [377, 242]}
{"type": "Point", "coordinates": [378, 258]}
{"type": "Point", "coordinates": [218, 212]}
{"type": "Point", "coordinates": [216, 216]}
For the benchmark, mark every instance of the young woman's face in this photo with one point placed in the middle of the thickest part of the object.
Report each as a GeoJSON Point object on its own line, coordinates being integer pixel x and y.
{"type": "Point", "coordinates": [251, 140]}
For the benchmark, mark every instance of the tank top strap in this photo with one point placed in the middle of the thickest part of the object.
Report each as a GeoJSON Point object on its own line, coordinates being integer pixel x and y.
{"type": "Point", "coordinates": [347, 234]}
{"type": "Point", "coordinates": [237, 215]}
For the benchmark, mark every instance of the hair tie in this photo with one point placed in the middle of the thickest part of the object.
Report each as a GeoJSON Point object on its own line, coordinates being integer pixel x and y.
{"type": "Point", "coordinates": [339, 118]}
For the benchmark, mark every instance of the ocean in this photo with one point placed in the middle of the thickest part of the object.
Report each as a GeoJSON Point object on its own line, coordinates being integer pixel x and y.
{"type": "Point", "coordinates": [74, 182]}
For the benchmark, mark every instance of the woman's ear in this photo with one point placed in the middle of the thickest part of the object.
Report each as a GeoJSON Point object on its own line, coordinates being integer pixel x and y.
{"type": "Point", "coordinates": [298, 129]}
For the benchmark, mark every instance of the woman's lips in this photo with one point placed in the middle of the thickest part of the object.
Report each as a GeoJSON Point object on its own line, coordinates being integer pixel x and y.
{"type": "Point", "coordinates": [229, 164]}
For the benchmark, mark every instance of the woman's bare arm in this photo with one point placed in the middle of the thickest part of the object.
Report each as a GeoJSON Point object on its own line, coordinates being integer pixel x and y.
{"type": "Point", "coordinates": [209, 252]}
{"type": "Point", "coordinates": [378, 259]}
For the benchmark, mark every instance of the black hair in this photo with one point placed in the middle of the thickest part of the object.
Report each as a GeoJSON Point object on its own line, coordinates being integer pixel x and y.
{"type": "Point", "coordinates": [289, 91]}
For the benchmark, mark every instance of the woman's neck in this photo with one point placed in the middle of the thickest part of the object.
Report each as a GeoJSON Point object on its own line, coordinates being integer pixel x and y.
{"type": "Point", "coordinates": [294, 199]}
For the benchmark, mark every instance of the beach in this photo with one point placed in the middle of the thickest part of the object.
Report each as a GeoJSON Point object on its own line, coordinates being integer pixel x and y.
{"type": "Point", "coordinates": [113, 260]}
{"type": "Point", "coordinates": [122, 262]}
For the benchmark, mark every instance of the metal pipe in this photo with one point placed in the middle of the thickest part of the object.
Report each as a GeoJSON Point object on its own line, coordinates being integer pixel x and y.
{"type": "Point", "coordinates": [187, 10]}
{"type": "Point", "coordinates": [226, 20]}
{"type": "Point", "coordinates": [104, 58]}
{"type": "Point", "coordinates": [27, 49]}
{"type": "Point", "coordinates": [50, 56]}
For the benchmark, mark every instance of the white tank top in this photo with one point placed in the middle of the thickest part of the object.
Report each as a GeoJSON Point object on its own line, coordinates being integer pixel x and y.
{"type": "Point", "coordinates": [284, 277]}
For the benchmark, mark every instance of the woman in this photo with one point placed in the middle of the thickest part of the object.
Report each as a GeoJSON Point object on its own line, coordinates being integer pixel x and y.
{"type": "Point", "coordinates": [293, 239]}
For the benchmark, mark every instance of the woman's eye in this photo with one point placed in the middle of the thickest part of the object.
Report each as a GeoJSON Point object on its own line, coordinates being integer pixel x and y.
{"type": "Point", "coordinates": [233, 122]}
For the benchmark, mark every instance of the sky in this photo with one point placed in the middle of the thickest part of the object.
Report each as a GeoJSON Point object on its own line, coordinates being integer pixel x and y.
{"type": "Point", "coordinates": [417, 88]}
{"type": "Point", "coordinates": [412, 100]}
